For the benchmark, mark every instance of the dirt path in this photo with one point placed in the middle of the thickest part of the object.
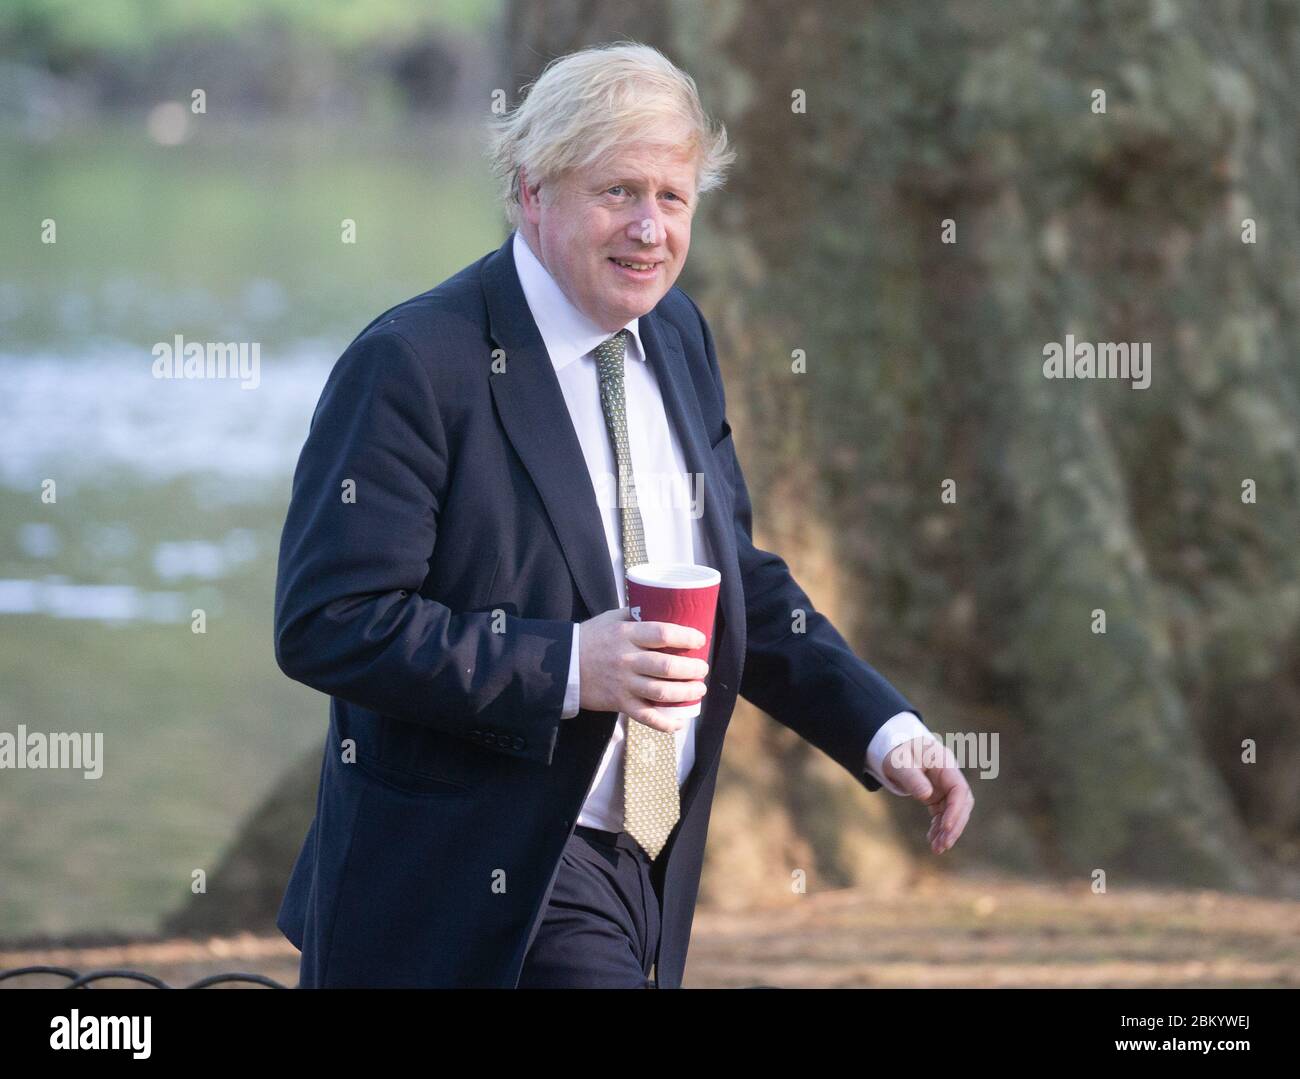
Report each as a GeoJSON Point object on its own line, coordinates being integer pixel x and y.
{"type": "Point", "coordinates": [938, 933]}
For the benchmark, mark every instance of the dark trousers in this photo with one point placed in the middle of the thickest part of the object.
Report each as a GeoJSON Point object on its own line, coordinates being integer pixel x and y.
{"type": "Point", "coordinates": [601, 926]}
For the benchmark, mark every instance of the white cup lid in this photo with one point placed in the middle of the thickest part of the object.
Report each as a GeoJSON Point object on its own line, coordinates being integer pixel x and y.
{"type": "Point", "coordinates": [674, 575]}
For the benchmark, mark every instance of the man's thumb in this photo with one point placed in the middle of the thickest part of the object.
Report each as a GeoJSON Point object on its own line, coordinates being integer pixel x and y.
{"type": "Point", "coordinates": [915, 783]}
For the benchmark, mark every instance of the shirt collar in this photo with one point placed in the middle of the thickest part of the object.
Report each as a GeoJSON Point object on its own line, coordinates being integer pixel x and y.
{"type": "Point", "coordinates": [567, 333]}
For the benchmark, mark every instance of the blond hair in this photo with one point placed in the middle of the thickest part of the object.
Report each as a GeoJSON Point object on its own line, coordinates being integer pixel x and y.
{"type": "Point", "coordinates": [587, 103]}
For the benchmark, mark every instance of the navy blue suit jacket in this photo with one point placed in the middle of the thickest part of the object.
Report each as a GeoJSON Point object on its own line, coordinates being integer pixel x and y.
{"type": "Point", "coordinates": [441, 540]}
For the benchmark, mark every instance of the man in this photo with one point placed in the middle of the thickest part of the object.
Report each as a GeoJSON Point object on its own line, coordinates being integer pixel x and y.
{"type": "Point", "coordinates": [449, 576]}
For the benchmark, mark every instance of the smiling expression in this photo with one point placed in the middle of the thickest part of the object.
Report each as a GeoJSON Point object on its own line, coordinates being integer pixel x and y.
{"type": "Point", "coordinates": [634, 207]}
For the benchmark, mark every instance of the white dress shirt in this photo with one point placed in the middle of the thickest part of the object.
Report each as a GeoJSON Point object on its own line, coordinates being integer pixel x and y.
{"type": "Point", "coordinates": [667, 494]}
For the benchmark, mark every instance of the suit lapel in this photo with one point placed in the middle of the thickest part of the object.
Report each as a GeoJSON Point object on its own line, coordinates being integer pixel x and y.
{"type": "Point", "coordinates": [536, 420]}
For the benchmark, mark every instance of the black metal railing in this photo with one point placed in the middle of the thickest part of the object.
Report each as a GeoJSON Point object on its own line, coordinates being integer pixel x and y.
{"type": "Point", "coordinates": [82, 981]}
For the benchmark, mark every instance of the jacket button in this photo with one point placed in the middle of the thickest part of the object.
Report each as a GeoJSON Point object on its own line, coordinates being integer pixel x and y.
{"type": "Point", "coordinates": [490, 738]}
{"type": "Point", "coordinates": [518, 743]}
{"type": "Point", "coordinates": [476, 734]}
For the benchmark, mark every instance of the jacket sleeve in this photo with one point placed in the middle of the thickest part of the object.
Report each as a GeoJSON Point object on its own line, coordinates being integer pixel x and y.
{"type": "Point", "coordinates": [355, 550]}
{"type": "Point", "coordinates": [809, 681]}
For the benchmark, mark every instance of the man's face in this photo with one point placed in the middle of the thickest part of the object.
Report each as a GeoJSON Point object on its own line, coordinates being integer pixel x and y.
{"type": "Point", "coordinates": [635, 207]}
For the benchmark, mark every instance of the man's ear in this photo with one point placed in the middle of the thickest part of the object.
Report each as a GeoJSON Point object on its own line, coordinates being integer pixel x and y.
{"type": "Point", "coordinates": [529, 196]}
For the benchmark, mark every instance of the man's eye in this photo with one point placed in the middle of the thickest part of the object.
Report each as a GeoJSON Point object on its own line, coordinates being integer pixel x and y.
{"type": "Point", "coordinates": [616, 187]}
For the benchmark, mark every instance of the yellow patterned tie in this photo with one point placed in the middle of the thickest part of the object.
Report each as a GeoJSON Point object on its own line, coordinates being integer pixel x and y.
{"type": "Point", "coordinates": [650, 796]}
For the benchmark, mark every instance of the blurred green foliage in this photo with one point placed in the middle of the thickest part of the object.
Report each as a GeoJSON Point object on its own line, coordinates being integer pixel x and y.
{"type": "Point", "coordinates": [60, 29]}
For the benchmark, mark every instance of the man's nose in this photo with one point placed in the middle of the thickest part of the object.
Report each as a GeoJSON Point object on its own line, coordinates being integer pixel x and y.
{"type": "Point", "coordinates": [647, 227]}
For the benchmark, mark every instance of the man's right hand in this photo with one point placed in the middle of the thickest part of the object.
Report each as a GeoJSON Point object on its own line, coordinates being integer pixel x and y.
{"type": "Point", "coordinates": [620, 671]}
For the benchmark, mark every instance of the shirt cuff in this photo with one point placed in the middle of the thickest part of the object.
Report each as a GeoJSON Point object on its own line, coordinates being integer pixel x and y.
{"type": "Point", "coordinates": [893, 732]}
{"type": "Point", "coordinates": [571, 695]}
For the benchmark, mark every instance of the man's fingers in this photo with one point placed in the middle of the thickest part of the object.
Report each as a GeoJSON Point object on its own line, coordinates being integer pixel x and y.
{"type": "Point", "coordinates": [664, 692]}
{"type": "Point", "coordinates": [957, 803]}
{"type": "Point", "coordinates": [640, 713]}
{"type": "Point", "coordinates": [655, 664]}
{"type": "Point", "coordinates": [667, 635]}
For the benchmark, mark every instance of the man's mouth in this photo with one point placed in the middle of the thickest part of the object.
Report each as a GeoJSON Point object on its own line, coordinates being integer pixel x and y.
{"type": "Point", "coordinates": [636, 267]}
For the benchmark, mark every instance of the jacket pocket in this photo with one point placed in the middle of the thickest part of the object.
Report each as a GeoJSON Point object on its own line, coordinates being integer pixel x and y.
{"type": "Point", "coordinates": [422, 784]}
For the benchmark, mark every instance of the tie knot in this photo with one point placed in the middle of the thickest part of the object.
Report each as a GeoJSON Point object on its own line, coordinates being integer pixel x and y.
{"type": "Point", "coordinates": [610, 354]}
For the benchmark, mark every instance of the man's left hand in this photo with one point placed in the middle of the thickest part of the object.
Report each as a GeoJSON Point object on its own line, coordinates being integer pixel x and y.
{"type": "Point", "coordinates": [925, 769]}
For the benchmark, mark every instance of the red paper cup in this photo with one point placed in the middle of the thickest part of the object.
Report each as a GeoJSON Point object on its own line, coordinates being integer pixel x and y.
{"type": "Point", "coordinates": [679, 592]}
